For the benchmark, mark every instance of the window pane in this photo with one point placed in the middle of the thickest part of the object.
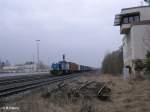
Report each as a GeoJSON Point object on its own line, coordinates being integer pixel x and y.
{"type": "Point", "coordinates": [136, 18]}
{"type": "Point", "coordinates": [125, 20]}
{"type": "Point", "coordinates": [131, 19]}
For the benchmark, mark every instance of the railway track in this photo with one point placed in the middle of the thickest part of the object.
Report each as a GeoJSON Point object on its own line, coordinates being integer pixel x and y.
{"type": "Point", "coordinates": [17, 85]}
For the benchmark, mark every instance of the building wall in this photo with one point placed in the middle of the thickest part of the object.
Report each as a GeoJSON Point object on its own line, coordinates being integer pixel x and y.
{"type": "Point", "coordinates": [140, 41]}
{"type": "Point", "coordinates": [136, 44]}
{"type": "Point", "coordinates": [127, 50]}
{"type": "Point", "coordinates": [136, 40]}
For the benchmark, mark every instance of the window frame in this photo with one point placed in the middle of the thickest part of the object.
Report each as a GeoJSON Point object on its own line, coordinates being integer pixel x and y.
{"type": "Point", "coordinates": [133, 16]}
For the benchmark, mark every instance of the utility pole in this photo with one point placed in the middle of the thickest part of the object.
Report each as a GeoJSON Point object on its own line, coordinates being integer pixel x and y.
{"type": "Point", "coordinates": [38, 52]}
{"type": "Point", "coordinates": [34, 64]}
{"type": "Point", "coordinates": [64, 57]}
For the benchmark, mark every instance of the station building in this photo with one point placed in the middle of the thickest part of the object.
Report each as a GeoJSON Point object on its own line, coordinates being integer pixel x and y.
{"type": "Point", "coordinates": [134, 25]}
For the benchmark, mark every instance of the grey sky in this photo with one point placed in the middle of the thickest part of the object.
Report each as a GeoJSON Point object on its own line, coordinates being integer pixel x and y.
{"type": "Point", "coordinates": [82, 29]}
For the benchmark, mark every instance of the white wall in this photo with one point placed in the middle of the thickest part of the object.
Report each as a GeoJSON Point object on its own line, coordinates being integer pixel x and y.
{"type": "Point", "coordinates": [127, 49]}
{"type": "Point", "coordinates": [140, 38]}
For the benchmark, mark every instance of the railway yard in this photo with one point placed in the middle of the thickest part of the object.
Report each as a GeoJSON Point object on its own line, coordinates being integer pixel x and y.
{"type": "Point", "coordinates": [98, 75]}
{"type": "Point", "coordinates": [79, 92]}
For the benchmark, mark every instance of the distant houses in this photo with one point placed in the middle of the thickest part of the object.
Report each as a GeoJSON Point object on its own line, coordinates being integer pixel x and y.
{"type": "Point", "coordinates": [27, 67]}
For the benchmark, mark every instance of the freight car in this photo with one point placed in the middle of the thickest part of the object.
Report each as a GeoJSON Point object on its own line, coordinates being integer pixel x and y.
{"type": "Point", "coordinates": [73, 67]}
{"type": "Point", "coordinates": [85, 68]}
{"type": "Point", "coordinates": [64, 67]}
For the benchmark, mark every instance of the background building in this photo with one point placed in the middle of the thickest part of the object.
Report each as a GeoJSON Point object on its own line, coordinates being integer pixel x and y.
{"type": "Point", "coordinates": [27, 67]}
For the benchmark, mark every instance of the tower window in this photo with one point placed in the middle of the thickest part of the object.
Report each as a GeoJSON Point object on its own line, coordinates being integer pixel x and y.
{"type": "Point", "coordinates": [136, 18]}
{"type": "Point", "coordinates": [130, 19]}
{"type": "Point", "coordinates": [125, 20]}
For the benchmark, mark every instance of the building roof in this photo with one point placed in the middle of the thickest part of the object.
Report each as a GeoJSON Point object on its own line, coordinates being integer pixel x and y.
{"type": "Point", "coordinates": [128, 12]}
{"type": "Point", "coordinates": [135, 7]}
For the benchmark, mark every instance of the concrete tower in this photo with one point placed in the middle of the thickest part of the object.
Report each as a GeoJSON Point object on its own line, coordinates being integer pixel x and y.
{"type": "Point", "coordinates": [134, 25]}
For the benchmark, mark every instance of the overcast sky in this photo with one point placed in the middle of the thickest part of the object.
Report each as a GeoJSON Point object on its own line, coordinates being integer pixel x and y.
{"type": "Point", "coordinates": [81, 29]}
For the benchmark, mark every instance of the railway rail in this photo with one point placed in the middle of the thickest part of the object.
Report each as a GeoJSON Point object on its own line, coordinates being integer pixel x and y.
{"type": "Point", "coordinates": [17, 85]}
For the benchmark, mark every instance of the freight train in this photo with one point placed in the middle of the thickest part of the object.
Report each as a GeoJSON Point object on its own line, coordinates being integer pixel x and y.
{"type": "Point", "coordinates": [64, 67]}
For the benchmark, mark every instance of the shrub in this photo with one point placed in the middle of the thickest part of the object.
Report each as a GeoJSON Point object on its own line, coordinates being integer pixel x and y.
{"type": "Point", "coordinates": [147, 62]}
{"type": "Point", "coordinates": [113, 62]}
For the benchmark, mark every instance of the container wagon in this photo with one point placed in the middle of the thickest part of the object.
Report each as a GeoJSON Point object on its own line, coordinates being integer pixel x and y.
{"type": "Point", "coordinates": [73, 67]}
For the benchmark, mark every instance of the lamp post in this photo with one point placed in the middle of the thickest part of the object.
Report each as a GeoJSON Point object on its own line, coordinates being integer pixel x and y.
{"type": "Point", "coordinates": [38, 51]}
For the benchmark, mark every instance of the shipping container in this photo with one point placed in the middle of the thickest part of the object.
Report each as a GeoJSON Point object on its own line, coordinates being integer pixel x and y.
{"type": "Point", "coordinates": [73, 67]}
